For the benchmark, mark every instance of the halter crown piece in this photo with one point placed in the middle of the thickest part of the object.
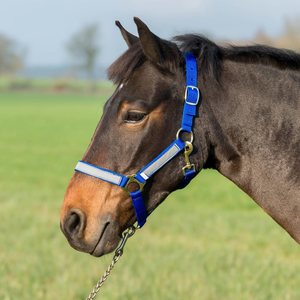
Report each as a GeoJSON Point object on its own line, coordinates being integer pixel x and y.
{"type": "Point", "coordinates": [139, 179]}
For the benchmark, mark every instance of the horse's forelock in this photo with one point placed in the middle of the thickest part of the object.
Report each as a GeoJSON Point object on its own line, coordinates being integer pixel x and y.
{"type": "Point", "coordinates": [121, 69]}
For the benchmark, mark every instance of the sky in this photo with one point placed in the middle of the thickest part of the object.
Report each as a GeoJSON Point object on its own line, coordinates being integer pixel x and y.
{"type": "Point", "coordinates": [43, 27]}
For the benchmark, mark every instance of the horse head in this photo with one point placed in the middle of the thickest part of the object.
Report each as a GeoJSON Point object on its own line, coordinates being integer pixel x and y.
{"type": "Point", "coordinates": [139, 121]}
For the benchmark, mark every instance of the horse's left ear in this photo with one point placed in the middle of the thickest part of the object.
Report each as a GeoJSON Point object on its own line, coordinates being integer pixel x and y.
{"type": "Point", "coordinates": [161, 52]}
{"type": "Point", "coordinates": [129, 38]}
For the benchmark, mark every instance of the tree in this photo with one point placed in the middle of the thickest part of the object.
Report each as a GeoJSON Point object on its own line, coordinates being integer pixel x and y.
{"type": "Point", "coordinates": [289, 38]}
{"type": "Point", "coordinates": [11, 58]}
{"type": "Point", "coordinates": [84, 49]}
{"type": "Point", "coordinates": [291, 34]}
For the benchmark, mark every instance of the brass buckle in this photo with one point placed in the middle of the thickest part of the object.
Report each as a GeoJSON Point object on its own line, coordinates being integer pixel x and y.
{"type": "Point", "coordinates": [137, 185]}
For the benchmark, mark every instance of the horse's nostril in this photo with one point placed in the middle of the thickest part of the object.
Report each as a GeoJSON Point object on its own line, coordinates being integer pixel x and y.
{"type": "Point", "coordinates": [74, 224]}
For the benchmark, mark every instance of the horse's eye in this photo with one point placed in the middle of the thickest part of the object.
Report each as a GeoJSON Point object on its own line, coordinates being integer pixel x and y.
{"type": "Point", "coordinates": [134, 116]}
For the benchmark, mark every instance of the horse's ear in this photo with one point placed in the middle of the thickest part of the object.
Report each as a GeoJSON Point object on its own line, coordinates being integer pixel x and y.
{"type": "Point", "coordinates": [157, 50]}
{"type": "Point", "coordinates": [129, 38]}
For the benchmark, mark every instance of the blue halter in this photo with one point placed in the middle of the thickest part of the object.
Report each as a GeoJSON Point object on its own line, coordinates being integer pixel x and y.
{"type": "Point", "coordinates": [138, 180]}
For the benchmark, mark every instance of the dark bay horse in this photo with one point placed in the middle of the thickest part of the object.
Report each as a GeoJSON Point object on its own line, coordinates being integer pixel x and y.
{"type": "Point", "coordinates": [247, 128]}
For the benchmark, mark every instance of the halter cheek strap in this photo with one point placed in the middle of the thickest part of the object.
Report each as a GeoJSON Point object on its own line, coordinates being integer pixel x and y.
{"type": "Point", "coordinates": [192, 96]}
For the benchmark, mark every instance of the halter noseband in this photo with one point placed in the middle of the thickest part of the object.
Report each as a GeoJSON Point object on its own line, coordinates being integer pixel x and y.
{"type": "Point", "coordinates": [139, 179]}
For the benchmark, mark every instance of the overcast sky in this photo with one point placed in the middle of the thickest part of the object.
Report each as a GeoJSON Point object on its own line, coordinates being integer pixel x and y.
{"type": "Point", "coordinates": [44, 26]}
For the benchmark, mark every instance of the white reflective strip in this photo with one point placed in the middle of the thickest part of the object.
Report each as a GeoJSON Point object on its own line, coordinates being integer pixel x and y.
{"type": "Point", "coordinates": [144, 176]}
{"type": "Point", "coordinates": [160, 162]}
{"type": "Point", "coordinates": [99, 173]}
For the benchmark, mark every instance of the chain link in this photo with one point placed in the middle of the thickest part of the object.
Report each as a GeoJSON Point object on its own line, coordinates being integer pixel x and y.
{"type": "Point", "coordinates": [118, 253]}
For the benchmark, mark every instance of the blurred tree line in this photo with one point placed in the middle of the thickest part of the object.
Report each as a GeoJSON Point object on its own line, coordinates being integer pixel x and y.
{"type": "Point", "coordinates": [289, 38]}
{"type": "Point", "coordinates": [83, 47]}
{"type": "Point", "coordinates": [11, 55]}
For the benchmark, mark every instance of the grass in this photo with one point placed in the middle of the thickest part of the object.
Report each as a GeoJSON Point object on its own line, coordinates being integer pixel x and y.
{"type": "Point", "coordinates": [208, 241]}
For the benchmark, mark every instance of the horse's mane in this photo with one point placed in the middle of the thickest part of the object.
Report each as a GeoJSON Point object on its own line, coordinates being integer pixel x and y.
{"type": "Point", "coordinates": [210, 56]}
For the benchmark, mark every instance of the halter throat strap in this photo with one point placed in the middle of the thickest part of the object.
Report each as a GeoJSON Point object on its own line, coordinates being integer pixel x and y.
{"type": "Point", "coordinates": [192, 96]}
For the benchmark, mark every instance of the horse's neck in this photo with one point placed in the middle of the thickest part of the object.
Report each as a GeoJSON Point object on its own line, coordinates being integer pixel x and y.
{"type": "Point", "coordinates": [254, 137]}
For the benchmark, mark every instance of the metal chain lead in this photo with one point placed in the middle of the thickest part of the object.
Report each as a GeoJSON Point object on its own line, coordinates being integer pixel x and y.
{"type": "Point", "coordinates": [118, 253]}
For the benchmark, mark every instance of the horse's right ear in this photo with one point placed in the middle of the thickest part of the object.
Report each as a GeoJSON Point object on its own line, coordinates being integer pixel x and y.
{"type": "Point", "coordinates": [129, 38]}
{"type": "Point", "coordinates": [160, 52]}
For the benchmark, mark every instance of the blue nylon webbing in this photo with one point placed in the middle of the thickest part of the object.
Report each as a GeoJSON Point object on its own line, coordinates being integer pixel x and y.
{"type": "Point", "coordinates": [139, 207]}
{"type": "Point", "coordinates": [101, 173]}
{"type": "Point", "coordinates": [160, 160]}
{"type": "Point", "coordinates": [192, 93]}
{"type": "Point", "coordinates": [188, 176]}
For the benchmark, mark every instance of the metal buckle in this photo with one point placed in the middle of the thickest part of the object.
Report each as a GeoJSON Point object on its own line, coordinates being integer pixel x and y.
{"type": "Point", "coordinates": [133, 180]}
{"type": "Point", "coordinates": [186, 94]}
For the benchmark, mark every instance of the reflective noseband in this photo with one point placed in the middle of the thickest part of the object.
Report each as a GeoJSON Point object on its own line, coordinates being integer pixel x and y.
{"type": "Point", "coordinates": [137, 181]}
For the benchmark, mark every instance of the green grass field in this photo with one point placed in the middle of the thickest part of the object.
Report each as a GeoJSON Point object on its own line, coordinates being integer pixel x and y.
{"type": "Point", "coordinates": [209, 241]}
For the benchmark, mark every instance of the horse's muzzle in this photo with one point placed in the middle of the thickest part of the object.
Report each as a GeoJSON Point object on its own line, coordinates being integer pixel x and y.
{"type": "Point", "coordinates": [104, 239]}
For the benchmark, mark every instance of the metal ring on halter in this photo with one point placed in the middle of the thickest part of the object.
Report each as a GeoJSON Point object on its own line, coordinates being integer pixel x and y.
{"type": "Point", "coordinates": [133, 180]}
{"type": "Point", "coordinates": [181, 130]}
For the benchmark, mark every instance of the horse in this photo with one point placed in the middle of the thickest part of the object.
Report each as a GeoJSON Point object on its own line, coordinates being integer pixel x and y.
{"type": "Point", "coordinates": [246, 127]}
